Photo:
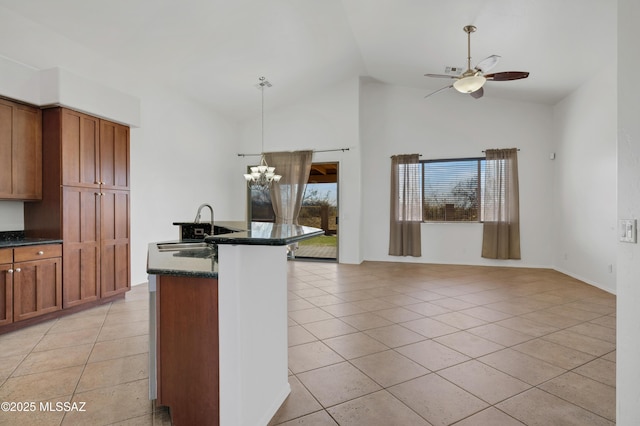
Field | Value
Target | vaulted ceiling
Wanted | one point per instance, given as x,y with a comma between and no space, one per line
215,50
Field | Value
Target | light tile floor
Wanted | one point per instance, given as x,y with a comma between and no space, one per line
413,344
371,344
95,361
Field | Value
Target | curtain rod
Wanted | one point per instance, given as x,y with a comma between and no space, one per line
501,148
397,154
315,150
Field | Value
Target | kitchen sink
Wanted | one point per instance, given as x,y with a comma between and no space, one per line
196,245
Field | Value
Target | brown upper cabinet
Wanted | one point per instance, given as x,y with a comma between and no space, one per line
114,155
96,152
20,151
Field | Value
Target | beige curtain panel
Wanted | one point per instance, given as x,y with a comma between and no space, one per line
501,211
406,206
286,195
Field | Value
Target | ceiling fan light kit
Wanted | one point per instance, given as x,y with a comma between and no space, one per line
469,84
473,79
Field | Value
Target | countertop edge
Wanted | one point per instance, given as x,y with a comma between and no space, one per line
30,242
243,240
178,273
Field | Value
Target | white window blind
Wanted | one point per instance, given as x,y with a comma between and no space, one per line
452,189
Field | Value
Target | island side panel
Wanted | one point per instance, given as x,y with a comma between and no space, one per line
188,364
253,333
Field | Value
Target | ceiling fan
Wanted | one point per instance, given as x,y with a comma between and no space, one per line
472,80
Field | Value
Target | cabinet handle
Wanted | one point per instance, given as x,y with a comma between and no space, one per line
9,271
40,253
18,269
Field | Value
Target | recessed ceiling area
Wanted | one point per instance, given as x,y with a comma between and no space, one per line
214,50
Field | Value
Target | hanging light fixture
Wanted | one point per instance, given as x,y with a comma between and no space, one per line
472,79
262,176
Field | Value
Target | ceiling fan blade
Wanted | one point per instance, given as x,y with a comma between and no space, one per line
507,75
488,63
440,76
439,90
478,93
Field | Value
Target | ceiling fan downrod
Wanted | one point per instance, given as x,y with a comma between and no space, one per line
469,29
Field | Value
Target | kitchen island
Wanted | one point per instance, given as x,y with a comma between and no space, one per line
218,344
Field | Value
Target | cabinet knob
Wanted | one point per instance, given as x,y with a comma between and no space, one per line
18,269
9,271
40,253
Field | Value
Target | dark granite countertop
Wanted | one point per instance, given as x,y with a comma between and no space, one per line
193,262
267,234
202,261
9,239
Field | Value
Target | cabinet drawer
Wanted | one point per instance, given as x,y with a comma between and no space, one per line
44,251
6,255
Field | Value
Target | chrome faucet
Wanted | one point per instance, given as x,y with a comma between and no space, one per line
197,219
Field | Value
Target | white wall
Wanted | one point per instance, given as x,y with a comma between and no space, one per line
182,156
398,120
11,215
584,195
326,120
628,277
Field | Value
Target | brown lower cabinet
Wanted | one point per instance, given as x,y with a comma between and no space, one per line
81,243
114,242
32,284
95,234
188,349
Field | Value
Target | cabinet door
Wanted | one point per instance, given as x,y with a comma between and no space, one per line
20,151
6,294
37,288
27,153
114,155
114,249
6,161
81,245
80,149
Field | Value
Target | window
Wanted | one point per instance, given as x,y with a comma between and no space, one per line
452,189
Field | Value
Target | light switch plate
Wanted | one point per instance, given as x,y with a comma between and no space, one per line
627,230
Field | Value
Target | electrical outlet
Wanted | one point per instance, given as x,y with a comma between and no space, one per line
627,230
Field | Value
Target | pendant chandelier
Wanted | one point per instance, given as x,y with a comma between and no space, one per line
262,176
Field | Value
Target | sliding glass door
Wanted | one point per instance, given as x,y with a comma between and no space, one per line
319,209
